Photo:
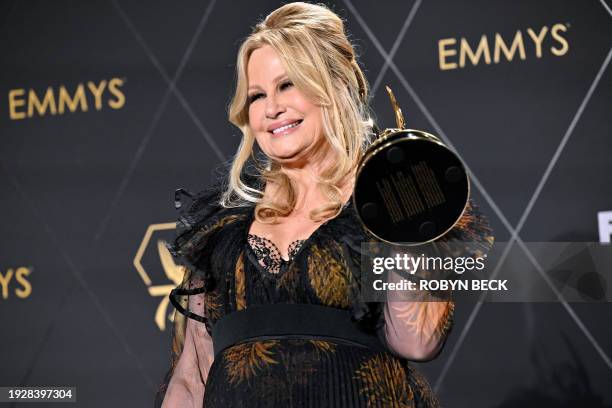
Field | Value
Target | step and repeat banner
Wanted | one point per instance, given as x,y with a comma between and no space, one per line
108,106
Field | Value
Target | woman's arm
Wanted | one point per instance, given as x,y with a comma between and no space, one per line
186,387
416,330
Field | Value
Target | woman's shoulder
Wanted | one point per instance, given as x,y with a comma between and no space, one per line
200,216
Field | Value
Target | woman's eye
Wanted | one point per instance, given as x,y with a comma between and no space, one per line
252,98
286,85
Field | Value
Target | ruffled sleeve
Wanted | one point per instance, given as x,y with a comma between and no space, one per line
471,236
196,224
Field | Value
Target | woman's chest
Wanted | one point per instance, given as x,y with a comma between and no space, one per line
282,237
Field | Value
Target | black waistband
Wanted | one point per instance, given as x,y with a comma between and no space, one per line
286,320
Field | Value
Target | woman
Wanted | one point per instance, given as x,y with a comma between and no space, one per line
283,234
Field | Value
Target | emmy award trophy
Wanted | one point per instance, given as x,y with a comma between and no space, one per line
410,189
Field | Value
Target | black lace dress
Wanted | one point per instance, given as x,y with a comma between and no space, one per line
237,271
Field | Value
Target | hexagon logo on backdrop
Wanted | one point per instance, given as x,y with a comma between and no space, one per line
157,268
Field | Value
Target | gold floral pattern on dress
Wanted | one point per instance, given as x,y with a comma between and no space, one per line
301,359
323,346
289,279
471,235
245,360
329,276
384,382
240,283
446,320
212,305
431,320
423,388
205,231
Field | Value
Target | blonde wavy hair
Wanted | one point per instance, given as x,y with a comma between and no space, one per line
321,62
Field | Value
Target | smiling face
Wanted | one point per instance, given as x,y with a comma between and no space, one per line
287,126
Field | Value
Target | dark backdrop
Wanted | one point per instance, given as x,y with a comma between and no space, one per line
136,96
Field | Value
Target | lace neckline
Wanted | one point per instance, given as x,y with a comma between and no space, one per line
269,255
274,262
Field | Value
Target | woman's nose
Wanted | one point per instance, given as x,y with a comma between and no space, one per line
274,106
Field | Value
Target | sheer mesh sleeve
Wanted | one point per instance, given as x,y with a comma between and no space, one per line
192,349
196,300
418,330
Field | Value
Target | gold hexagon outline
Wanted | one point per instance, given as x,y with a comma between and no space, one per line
143,245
